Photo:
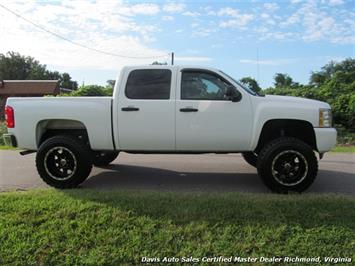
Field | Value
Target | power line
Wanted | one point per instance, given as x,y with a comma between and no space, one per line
76,43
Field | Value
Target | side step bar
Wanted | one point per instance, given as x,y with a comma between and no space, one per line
23,153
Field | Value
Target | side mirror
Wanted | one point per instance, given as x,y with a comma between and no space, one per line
233,94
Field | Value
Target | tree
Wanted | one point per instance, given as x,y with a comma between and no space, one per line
159,63
66,82
111,83
317,79
328,71
282,80
334,84
251,83
15,66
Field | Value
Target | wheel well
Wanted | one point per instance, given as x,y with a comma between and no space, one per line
276,128
49,128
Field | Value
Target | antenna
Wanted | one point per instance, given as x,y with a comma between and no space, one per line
172,58
257,65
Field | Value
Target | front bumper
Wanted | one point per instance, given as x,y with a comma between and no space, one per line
10,140
326,138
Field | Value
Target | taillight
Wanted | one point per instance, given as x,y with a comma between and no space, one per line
9,117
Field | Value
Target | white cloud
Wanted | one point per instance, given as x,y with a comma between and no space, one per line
167,18
273,62
318,24
336,2
211,13
293,19
287,61
109,26
267,19
209,10
145,9
203,32
191,14
192,59
235,18
122,28
271,7
315,21
216,45
228,11
174,7
241,21
260,62
264,15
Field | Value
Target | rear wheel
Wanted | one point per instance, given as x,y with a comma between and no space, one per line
63,162
287,164
250,157
104,158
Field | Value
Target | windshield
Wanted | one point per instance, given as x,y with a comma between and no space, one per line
250,91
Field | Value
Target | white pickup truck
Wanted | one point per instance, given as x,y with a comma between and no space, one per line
173,109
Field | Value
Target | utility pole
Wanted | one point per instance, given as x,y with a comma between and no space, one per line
172,58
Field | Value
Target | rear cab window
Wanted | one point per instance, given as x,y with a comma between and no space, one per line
153,84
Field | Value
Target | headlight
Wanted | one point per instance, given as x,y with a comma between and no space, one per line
325,118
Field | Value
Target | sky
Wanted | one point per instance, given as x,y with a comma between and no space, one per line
242,38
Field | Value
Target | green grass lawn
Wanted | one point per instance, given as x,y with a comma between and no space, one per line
2,147
346,149
87,227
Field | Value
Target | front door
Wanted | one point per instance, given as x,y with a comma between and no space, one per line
206,120
146,111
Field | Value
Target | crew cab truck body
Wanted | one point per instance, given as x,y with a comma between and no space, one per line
173,109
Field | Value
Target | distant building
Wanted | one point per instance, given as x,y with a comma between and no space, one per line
26,88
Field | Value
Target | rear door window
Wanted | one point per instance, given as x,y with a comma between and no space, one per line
151,84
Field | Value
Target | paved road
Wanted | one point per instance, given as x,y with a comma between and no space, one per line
210,172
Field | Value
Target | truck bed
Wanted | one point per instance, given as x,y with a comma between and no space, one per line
31,114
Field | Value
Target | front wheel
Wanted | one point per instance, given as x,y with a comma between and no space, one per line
250,157
63,162
287,164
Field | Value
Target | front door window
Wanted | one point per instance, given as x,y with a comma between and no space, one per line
203,86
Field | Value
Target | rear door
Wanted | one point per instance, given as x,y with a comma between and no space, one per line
146,111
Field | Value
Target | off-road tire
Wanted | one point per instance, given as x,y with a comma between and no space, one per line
250,157
76,153
285,146
103,158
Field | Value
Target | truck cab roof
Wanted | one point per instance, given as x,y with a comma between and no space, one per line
169,67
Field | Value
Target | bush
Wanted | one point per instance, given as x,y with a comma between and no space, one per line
92,90
336,87
3,130
345,137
